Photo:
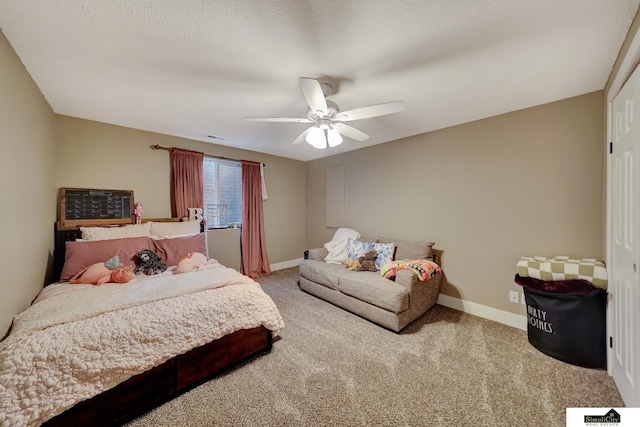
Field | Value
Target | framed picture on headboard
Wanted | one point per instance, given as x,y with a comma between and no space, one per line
84,207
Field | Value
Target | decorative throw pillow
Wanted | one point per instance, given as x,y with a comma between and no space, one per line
385,253
173,250
406,249
79,255
165,230
123,232
356,248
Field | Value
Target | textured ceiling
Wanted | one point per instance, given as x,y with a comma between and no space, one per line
196,68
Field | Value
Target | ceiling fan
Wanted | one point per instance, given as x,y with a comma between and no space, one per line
327,119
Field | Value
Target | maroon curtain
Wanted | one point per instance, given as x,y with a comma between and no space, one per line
187,181
253,244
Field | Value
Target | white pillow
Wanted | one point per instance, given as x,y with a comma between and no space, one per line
166,230
108,233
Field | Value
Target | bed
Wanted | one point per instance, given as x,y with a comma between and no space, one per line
102,355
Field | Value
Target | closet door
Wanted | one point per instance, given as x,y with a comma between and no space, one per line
625,260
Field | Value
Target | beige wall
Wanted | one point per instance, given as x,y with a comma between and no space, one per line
98,155
487,192
27,183
224,245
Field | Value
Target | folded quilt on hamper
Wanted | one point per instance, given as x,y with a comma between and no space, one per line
424,269
564,268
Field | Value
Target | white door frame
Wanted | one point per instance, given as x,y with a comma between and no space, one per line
626,68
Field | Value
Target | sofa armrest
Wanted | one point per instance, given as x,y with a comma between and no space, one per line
407,278
318,254
419,291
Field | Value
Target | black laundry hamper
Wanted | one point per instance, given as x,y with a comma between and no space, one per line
570,328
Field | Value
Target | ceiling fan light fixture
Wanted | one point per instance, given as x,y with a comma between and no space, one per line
334,138
326,119
316,138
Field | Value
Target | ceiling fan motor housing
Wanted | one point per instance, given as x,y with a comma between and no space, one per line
332,111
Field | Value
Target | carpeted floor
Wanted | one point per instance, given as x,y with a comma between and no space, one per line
332,368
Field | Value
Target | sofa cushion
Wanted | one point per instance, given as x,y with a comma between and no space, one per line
321,272
373,288
407,249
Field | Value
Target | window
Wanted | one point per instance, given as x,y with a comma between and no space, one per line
222,192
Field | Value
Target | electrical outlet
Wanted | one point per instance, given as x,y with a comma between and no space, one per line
514,296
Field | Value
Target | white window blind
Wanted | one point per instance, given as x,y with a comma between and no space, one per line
222,192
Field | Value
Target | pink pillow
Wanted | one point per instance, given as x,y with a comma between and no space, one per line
79,255
173,250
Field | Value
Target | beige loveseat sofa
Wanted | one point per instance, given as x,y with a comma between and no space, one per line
391,304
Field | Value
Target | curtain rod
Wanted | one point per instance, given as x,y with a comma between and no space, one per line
158,147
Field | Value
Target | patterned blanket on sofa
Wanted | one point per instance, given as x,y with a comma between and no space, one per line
423,268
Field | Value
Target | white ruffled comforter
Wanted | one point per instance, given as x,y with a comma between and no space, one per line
74,345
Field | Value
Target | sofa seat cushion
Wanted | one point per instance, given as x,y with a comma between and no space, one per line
323,273
371,287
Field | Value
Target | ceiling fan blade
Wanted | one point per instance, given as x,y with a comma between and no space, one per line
278,119
313,94
350,132
302,137
370,111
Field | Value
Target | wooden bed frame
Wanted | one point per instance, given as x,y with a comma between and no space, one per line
150,389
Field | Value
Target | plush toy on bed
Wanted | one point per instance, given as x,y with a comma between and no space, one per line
194,261
104,272
368,261
123,274
149,263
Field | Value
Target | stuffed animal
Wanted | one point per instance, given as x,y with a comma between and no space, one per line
104,272
194,261
352,265
149,263
95,274
123,274
368,261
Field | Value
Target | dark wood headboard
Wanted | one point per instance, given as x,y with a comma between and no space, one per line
62,236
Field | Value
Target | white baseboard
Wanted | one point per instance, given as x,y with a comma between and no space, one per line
285,264
510,319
